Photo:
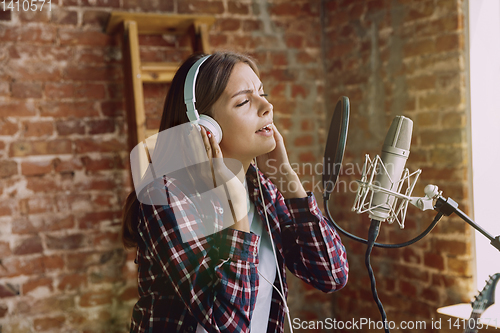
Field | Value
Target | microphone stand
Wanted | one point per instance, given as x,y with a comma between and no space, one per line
449,206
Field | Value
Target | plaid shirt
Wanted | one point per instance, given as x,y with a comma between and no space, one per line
213,280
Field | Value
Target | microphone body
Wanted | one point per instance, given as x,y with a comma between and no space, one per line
395,152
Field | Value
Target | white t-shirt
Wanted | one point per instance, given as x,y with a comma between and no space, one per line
266,267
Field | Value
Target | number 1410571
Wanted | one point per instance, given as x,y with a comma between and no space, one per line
25,5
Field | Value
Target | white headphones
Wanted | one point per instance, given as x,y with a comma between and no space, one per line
189,98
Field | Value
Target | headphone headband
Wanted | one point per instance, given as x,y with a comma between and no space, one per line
189,86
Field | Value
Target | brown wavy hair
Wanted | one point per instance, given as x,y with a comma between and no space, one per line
211,82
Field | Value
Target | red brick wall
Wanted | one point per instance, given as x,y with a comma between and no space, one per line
63,155
63,167
404,58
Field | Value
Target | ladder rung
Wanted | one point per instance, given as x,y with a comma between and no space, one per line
158,71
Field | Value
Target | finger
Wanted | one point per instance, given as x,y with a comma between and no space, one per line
216,151
277,134
206,142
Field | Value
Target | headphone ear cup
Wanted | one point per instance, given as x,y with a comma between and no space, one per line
210,124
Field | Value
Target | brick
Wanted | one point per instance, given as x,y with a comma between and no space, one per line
433,260
8,127
94,219
40,16
54,223
69,127
101,126
229,24
5,15
238,8
77,37
128,294
200,6
72,282
448,99
251,25
304,140
407,289
49,323
460,266
424,82
55,90
5,249
449,43
15,266
26,148
285,9
451,247
68,109
95,17
68,242
95,298
33,284
8,168
420,10
53,262
39,184
69,165
41,70
17,109
419,48
45,53
93,73
62,15
29,34
38,129
26,90
95,145
104,200
90,91
307,157
108,239
56,303
441,137
29,245
101,3
447,156
103,163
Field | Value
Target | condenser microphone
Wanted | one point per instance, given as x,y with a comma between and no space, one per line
395,152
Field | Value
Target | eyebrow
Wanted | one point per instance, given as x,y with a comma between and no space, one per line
247,91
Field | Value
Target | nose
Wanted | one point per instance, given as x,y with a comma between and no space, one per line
265,108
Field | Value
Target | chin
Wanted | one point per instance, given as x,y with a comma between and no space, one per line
268,147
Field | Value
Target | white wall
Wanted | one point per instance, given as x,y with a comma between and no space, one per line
484,43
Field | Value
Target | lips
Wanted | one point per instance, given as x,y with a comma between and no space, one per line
266,128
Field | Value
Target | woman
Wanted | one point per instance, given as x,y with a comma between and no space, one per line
222,282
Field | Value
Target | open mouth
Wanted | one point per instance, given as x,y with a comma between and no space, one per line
265,129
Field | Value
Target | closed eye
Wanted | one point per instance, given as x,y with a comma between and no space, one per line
242,103
246,101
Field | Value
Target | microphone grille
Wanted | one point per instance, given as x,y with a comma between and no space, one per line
399,134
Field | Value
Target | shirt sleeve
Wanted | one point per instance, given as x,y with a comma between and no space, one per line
214,275
312,248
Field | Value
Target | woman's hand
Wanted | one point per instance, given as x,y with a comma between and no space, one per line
222,175
275,165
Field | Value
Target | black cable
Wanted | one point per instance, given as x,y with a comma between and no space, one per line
382,245
372,236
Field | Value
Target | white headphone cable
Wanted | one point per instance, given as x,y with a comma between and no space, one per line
287,311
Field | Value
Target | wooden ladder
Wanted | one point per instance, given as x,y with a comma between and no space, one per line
130,25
